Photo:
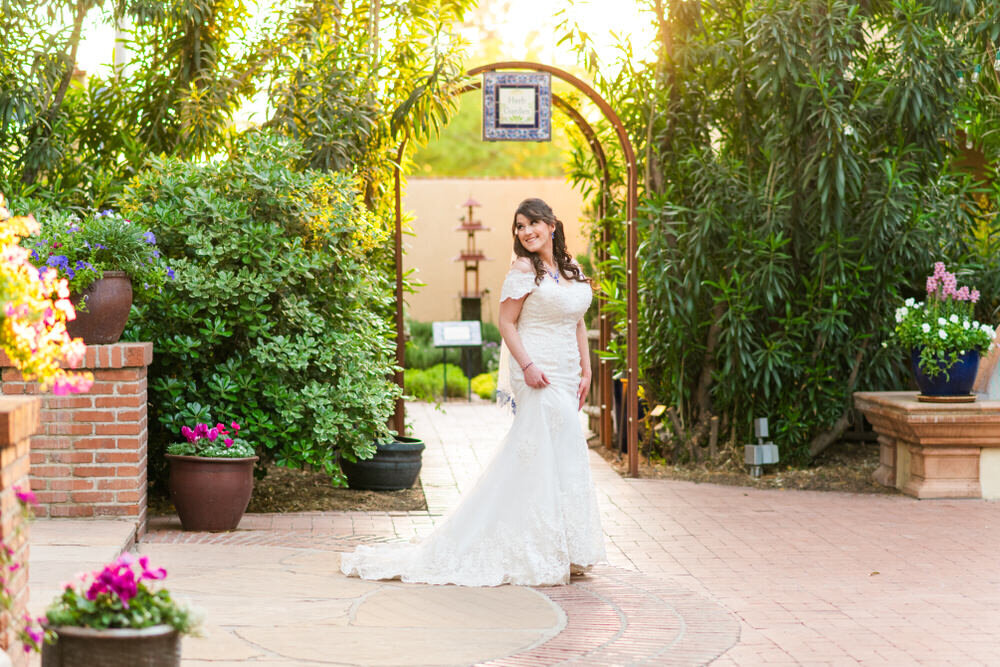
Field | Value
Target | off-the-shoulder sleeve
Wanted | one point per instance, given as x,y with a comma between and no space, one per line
517,284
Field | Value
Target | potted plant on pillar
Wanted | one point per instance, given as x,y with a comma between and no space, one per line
105,258
211,476
115,618
943,338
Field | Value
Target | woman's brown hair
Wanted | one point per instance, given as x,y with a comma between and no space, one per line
536,209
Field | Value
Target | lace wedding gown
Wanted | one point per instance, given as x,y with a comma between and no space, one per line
533,512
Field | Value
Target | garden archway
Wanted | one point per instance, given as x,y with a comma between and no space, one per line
632,370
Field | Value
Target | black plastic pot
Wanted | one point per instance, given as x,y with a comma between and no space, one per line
395,466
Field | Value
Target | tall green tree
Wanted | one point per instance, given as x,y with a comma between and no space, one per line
798,162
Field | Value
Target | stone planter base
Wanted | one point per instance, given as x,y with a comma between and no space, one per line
934,450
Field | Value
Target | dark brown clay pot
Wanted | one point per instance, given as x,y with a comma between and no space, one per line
210,494
108,302
157,646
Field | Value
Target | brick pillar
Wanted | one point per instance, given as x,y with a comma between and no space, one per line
90,458
19,419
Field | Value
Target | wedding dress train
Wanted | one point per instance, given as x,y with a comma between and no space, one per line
533,511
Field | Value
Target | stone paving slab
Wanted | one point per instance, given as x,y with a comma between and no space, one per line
696,573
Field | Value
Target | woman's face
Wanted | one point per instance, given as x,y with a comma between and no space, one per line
534,235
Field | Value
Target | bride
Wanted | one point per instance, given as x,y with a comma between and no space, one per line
532,517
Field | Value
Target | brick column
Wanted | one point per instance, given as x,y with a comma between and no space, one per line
19,419
90,458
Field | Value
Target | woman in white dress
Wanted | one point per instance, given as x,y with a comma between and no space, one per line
532,516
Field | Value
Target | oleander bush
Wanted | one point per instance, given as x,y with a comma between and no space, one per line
280,311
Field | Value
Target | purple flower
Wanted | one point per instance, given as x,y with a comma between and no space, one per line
188,433
149,238
156,254
213,434
73,228
58,261
170,273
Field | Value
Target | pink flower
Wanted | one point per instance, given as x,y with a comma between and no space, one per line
229,442
974,296
188,434
932,284
213,434
201,430
236,427
939,270
25,496
158,573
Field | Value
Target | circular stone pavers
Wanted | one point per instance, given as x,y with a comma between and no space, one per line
610,616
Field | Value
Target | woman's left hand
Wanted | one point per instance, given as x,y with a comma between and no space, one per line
583,389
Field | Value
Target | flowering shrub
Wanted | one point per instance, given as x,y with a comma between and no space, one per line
117,596
82,250
942,328
214,441
36,307
30,635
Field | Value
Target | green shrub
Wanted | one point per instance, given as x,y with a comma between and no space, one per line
484,385
279,316
426,384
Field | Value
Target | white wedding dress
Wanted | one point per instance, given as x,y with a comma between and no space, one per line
533,512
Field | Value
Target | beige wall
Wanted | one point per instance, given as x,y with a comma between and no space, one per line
435,207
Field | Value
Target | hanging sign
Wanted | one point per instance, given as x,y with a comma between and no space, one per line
517,106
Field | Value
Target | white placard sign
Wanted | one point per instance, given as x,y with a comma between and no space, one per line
517,106
468,333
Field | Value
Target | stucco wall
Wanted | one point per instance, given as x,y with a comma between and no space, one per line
435,207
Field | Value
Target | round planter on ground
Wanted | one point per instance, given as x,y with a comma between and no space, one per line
107,302
210,494
156,646
394,467
956,383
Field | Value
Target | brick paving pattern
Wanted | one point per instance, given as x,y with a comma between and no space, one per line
789,577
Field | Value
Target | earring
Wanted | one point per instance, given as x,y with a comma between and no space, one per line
553,235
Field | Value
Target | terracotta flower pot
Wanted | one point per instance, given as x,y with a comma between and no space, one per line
156,646
210,494
108,302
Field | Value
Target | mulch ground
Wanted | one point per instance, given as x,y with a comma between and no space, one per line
844,466
287,490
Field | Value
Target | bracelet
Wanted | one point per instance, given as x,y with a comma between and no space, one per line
525,367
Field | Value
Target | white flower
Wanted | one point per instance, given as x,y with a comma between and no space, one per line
975,323
942,334
900,314
926,327
910,302
954,318
942,321
966,325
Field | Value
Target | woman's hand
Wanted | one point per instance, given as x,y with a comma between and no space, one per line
534,377
583,389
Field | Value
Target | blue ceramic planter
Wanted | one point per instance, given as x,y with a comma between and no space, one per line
957,381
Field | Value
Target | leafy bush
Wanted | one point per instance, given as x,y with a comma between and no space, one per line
786,214
280,310
485,385
426,384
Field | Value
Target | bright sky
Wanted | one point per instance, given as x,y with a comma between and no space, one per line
513,20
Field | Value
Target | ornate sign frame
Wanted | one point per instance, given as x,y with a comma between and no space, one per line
517,106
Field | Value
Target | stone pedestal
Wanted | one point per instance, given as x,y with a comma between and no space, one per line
935,450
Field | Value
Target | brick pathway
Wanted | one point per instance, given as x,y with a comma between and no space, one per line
814,578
